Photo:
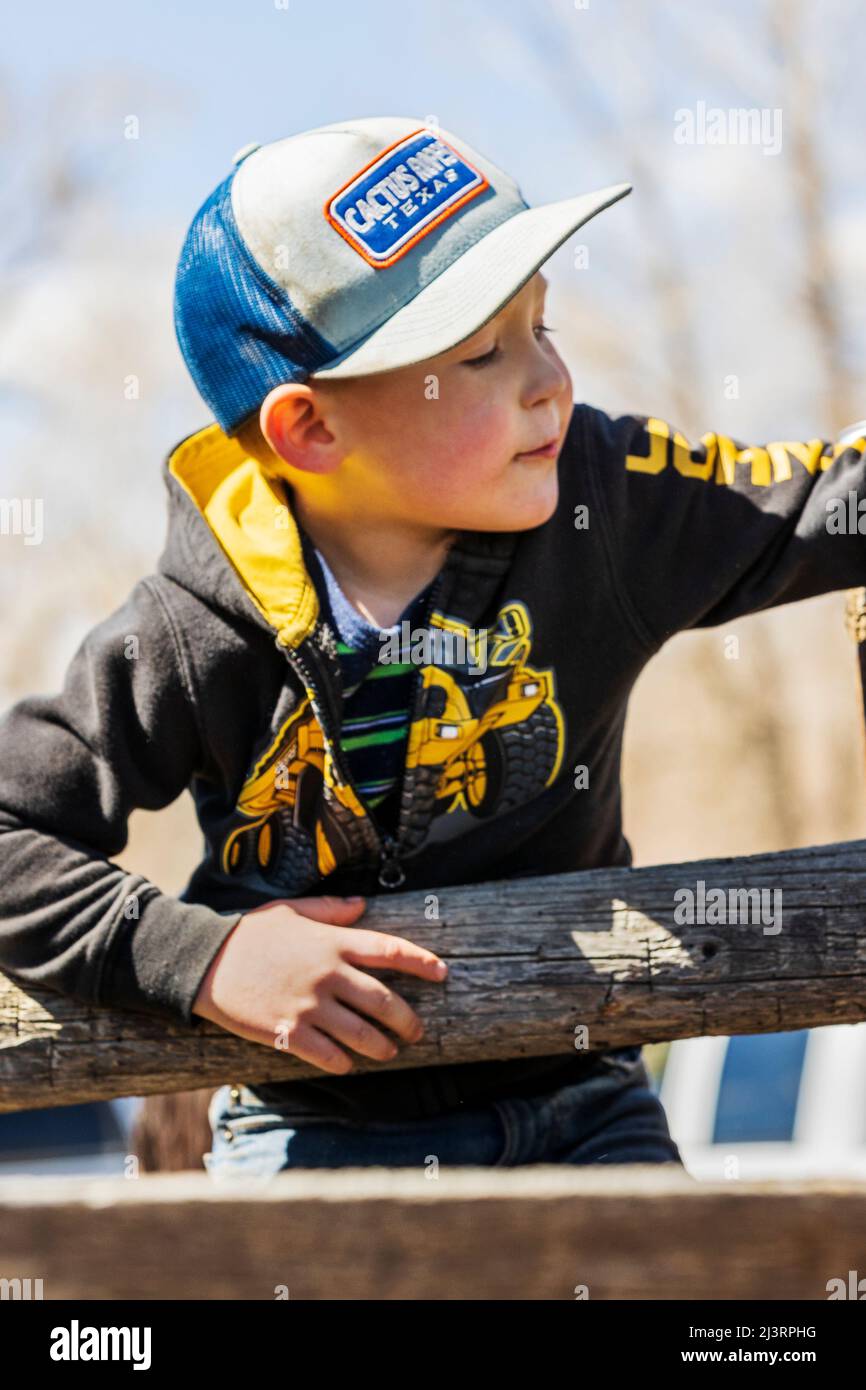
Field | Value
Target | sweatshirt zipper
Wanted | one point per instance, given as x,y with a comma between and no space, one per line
391,872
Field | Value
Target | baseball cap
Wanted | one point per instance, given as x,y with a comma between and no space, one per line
352,249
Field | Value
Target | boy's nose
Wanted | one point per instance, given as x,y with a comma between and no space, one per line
548,379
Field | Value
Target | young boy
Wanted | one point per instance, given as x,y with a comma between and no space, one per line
396,441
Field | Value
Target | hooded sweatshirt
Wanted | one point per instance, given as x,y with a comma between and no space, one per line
220,674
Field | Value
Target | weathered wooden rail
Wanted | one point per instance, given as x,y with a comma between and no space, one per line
541,1231
533,963
536,966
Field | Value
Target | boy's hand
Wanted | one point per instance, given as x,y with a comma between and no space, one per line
290,970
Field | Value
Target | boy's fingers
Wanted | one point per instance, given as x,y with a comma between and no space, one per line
311,1045
348,1027
336,911
376,948
374,999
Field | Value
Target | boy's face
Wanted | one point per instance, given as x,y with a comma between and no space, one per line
441,443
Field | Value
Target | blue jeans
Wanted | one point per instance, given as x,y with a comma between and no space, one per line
612,1116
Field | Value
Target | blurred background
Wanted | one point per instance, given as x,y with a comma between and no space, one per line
724,294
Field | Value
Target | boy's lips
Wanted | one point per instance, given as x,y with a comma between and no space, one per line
545,451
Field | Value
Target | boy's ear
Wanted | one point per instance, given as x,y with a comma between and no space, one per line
293,427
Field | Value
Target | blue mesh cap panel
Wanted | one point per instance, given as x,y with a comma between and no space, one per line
239,332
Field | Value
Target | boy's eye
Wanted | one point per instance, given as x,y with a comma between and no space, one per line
494,351
483,360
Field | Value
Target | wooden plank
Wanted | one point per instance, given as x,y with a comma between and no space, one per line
536,965
542,1231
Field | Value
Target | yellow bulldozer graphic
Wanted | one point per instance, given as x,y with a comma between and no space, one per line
295,808
485,744
495,741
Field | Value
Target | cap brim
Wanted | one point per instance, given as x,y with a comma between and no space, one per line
474,288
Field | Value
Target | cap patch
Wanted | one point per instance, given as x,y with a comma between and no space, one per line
401,196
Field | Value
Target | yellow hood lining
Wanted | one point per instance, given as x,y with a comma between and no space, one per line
253,522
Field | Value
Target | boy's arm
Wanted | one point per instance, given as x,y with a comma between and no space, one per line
702,533
121,734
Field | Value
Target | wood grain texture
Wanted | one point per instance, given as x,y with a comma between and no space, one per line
531,960
543,1231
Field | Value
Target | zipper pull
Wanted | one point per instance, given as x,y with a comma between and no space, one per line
391,873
